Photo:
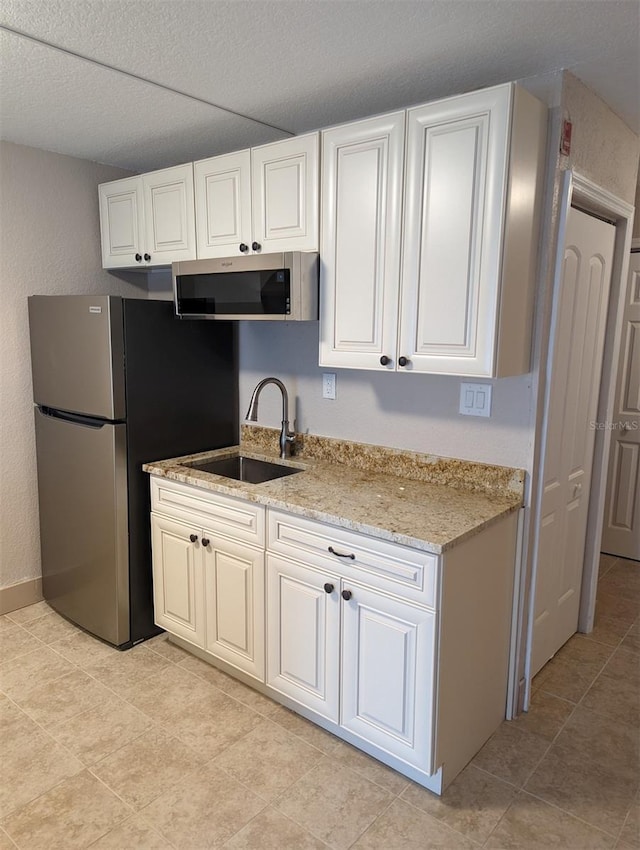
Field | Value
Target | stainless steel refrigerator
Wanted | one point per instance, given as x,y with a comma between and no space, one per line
117,382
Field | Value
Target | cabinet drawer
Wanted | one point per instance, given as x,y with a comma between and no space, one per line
406,572
223,514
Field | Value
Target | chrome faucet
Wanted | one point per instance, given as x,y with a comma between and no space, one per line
287,437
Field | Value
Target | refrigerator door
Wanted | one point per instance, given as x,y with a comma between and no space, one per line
77,353
82,488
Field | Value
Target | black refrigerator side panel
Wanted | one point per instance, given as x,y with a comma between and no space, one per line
182,397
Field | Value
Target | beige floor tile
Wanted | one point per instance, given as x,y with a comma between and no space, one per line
204,810
5,842
71,815
611,604
511,754
20,676
268,760
581,649
606,562
32,764
531,824
50,627
623,576
601,739
167,693
624,664
6,624
608,630
14,723
100,731
370,768
31,612
631,641
570,680
63,698
402,827
133,834
211,724
126,670
270,830
631,830
333,803
83,649
546,716
473,803
169,651
16,641
594,792
616,697
144,768
303,728
230,686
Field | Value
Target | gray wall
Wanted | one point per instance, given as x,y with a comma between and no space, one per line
49,244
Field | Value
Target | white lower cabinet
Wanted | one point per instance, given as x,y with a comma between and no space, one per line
178,588
401,652
234,604
387,677
303,641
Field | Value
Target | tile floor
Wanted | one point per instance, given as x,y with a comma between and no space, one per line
153,749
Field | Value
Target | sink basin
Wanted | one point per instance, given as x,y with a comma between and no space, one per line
242,468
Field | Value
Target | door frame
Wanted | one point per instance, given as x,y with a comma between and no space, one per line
583,193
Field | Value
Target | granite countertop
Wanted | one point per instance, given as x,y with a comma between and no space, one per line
356,490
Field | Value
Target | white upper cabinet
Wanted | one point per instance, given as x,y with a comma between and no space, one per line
122,223
148,220
262,200
361,240
285,195
472,189
169,215
223,204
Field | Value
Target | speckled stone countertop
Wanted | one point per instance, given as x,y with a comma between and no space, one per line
428,502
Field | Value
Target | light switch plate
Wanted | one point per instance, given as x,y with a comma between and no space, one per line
328,385
475,399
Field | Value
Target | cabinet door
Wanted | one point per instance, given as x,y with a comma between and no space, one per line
361,237
223,204
178,592
234,593
303,635
285,188
169,215
388,674
455,186
121,222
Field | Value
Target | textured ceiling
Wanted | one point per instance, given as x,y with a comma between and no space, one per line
207,76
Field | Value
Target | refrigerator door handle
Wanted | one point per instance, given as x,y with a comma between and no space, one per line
75,418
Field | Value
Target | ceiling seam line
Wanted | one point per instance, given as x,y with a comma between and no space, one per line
141,79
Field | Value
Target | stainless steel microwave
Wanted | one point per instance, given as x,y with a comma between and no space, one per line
268,287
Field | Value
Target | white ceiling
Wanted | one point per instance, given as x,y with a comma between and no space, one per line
203,77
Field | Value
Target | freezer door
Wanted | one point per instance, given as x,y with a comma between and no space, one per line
77,353
82,490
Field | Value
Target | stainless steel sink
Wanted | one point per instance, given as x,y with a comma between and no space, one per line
242,468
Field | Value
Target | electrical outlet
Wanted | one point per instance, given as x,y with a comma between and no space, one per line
328,385
475,399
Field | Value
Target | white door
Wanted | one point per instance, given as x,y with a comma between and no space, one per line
455,184
234,593
285,178
223,205
621,530
178,592
361,240
122,223
578,328
303,635
388,674
170,223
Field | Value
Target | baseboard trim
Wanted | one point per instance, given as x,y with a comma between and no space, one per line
20,595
